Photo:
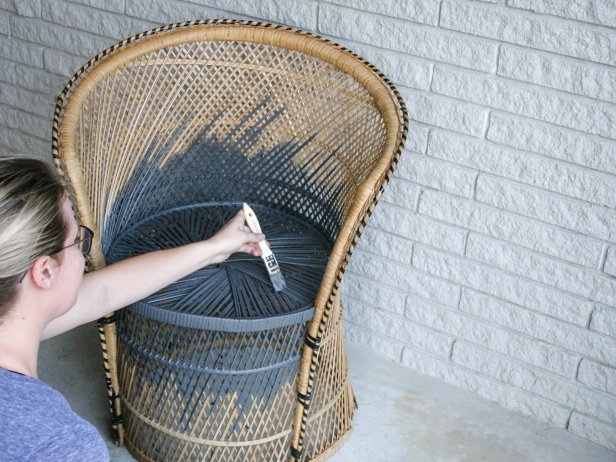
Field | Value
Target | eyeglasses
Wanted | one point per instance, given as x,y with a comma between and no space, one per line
83,240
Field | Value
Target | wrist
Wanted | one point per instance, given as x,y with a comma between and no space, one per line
206,251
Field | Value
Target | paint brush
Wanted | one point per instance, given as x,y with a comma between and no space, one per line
273,269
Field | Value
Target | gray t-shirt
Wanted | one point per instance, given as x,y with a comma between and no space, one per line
38,424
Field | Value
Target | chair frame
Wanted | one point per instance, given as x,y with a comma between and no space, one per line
389,103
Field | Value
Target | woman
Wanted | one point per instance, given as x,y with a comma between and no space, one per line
43,293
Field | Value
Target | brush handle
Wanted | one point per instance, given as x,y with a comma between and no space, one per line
251,219
255,227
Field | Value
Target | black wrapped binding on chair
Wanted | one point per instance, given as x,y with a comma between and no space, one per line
161,138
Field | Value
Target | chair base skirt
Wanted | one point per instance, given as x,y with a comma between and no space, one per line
334,448
329,423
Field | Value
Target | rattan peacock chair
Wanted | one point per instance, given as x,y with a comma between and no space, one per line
160,138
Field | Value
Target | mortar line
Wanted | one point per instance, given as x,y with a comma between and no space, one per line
603,257
577,368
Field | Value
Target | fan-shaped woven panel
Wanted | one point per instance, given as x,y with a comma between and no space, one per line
240,288
272,126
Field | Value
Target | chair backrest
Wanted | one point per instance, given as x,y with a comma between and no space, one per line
225,111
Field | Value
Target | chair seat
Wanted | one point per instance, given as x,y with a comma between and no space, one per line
240,288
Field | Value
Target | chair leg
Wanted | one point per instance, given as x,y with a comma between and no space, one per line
108,338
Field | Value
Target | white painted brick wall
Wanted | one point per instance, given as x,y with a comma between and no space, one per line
552,141
491,261
567,213
560,73
544,32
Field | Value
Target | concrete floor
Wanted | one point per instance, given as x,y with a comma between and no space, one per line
402,416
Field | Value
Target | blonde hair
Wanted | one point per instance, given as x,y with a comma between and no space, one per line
31,221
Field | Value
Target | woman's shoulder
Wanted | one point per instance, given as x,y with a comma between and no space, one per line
22,391
38,423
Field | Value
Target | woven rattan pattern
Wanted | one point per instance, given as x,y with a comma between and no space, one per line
195,394
351,138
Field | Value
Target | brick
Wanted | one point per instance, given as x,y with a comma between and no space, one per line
373,293
62,63
107,5
597,376
440,175
421,11
386,244
592,11
531,379
8,5
404,278
398,328
457,116
62,38
588,283
564,37
20,143
593,430
92,20
8,150
400,68
410,225
21,52
604,320
487,279
26,100
570,214
505,395
504,341
378,343
610,261
547,105
5,28
555,71
417,140
539,326
299,13
510,227
163,11
30,8
533,169
26,122
560,143
415,39
30,78
402,192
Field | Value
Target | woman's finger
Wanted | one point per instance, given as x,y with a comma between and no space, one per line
254,237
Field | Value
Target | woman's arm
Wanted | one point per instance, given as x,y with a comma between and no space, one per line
127,281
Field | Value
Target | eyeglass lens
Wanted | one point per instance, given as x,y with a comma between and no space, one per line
85,240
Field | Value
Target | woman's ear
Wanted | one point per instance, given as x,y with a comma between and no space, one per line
43,272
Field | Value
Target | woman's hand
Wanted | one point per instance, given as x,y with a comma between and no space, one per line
234,237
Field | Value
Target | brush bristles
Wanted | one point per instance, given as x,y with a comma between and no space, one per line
278,281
